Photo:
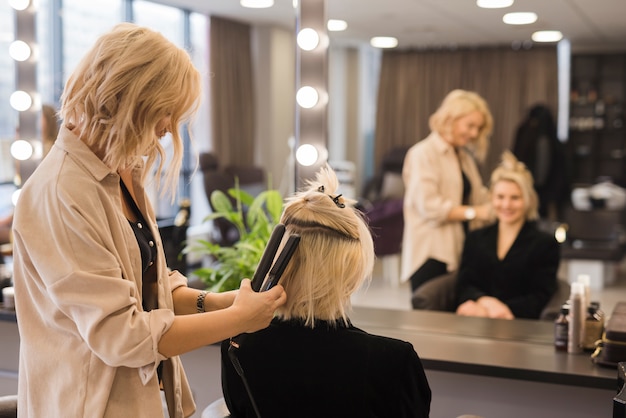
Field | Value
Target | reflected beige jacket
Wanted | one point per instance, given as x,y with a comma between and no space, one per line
87,348
433,186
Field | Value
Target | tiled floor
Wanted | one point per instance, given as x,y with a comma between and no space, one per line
380,293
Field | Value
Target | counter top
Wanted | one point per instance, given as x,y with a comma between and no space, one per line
7,315
519,349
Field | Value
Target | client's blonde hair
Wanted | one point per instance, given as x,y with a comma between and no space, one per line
130,80
511,169
334,257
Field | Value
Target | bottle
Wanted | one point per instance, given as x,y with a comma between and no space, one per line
183,215
585,279
576,318
561,329
592,331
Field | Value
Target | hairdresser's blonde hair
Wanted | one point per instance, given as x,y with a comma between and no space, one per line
334,257
130,80
457,104
513,170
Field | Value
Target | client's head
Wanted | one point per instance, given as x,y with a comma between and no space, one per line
512,192
334,257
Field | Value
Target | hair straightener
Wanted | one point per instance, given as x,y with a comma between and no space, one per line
265,277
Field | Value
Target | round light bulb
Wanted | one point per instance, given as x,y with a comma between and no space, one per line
21,150
19,50
308,39
19,4
15,196
306,155
307,97
20,100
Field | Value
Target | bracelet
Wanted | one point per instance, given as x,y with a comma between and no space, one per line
200,301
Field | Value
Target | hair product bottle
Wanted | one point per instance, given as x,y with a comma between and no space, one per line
561,329
576,318
593,328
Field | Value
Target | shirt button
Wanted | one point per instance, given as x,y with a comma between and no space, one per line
151,243
139,225
151,263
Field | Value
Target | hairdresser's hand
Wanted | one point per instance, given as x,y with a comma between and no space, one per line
256,310
484,212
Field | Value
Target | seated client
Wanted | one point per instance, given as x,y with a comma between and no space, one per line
508,270
312,361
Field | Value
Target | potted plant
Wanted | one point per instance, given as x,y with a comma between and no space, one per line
254,218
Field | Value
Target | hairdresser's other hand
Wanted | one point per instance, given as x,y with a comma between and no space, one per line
256,310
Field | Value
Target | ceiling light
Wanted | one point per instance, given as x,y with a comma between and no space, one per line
519,18
257,4
306,155
384,42
308,39
307,97
547,36
19,51
336,25
494,4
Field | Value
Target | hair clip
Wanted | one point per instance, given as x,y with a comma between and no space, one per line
321,189
337,202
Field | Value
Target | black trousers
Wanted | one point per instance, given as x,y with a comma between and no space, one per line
429,270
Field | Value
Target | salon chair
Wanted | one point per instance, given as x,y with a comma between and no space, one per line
619,401
217,409
8,406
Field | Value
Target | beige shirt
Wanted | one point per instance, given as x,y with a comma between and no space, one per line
433,186
87,348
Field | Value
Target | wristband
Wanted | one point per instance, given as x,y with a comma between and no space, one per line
200,301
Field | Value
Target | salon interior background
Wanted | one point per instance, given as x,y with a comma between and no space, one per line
66,28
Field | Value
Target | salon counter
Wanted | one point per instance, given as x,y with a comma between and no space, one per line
485,367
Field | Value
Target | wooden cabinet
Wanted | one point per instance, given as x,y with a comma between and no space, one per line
597,135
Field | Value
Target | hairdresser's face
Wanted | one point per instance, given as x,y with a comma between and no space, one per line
508,202
466,129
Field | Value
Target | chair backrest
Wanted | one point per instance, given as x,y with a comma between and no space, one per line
8,406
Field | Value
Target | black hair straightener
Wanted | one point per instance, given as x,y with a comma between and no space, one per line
265,277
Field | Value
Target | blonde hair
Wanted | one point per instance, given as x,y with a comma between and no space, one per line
129,81
335,255
513,170
457,104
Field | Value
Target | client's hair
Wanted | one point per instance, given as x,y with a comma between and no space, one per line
511,169
334,257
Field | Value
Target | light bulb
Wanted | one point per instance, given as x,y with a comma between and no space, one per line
21,150
308,39
494,4
306,155
519,18
19,50
21,101
547,36
19,4
15,196
307,97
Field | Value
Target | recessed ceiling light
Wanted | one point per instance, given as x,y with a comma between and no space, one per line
384,42
257,4
519,18
336,25
547,36
494,4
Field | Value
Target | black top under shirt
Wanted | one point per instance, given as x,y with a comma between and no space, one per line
145,240
467,190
